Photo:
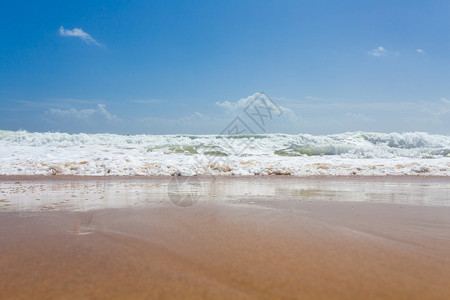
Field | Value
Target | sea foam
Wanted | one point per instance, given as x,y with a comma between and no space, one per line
351,153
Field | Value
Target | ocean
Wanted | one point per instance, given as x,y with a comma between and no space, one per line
350,153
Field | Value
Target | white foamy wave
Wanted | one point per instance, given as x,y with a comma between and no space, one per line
357,153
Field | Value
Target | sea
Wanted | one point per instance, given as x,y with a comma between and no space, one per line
345,154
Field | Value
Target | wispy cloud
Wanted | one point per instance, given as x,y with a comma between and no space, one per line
379,51
79,33
420,51
102,109
438,109
79,114
83,113
359,117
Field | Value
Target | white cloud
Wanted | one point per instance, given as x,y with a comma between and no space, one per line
379,51
83,114
79,114
420,51
244,102
445,100
79,33
101,108
276,111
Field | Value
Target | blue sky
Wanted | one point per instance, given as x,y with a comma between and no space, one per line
165,67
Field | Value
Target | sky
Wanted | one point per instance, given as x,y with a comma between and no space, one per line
187,67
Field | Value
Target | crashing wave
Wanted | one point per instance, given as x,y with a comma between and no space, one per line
364,153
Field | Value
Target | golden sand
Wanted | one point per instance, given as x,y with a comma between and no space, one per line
237,249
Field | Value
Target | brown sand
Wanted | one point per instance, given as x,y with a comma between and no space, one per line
290,249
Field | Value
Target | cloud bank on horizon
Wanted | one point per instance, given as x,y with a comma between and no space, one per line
312,115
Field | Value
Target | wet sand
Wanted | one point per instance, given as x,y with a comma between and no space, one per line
296,238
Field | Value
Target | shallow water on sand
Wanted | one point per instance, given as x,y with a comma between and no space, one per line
78,194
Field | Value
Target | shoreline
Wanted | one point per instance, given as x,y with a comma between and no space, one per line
89,177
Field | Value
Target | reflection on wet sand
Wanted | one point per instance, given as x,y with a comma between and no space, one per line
71,193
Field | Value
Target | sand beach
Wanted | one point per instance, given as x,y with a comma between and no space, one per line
273,237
